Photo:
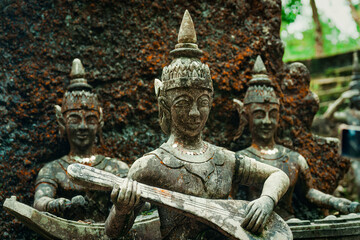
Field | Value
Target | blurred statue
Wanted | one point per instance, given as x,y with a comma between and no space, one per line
185,163
327,124
80,120
351,115
260,109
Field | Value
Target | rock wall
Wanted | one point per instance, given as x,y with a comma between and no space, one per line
123,46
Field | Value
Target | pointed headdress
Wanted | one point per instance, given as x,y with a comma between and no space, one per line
186,69
78,95
260,87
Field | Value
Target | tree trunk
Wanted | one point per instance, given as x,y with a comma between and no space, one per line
354,13
318,30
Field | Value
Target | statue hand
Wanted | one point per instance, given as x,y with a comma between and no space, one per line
78,201
58,205
350,93
257,214
354,207
125,197
341,204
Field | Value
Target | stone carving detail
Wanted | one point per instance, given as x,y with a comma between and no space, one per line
185,163
261,111
80,121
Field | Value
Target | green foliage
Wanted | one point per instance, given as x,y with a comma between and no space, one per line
297,48
301,45
290,9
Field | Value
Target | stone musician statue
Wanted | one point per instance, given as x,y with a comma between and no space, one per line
187,164
80,121
260,110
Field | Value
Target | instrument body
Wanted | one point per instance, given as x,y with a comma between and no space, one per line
225,216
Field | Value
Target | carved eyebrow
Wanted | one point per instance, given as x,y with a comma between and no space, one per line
183,96
204,95
74,114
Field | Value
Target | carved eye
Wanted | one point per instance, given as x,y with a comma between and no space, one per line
204,102
92,120
182,103
273,113
258,114
74,120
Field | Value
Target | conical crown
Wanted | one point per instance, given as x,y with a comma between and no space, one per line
186,70
79,95
260,87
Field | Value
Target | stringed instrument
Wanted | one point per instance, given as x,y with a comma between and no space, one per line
225,216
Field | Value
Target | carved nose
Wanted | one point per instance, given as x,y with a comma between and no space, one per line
194,112
267,119
83,124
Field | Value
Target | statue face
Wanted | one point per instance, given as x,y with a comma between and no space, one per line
81,128
189,110
263,120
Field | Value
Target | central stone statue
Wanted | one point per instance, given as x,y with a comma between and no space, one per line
187,164
260,109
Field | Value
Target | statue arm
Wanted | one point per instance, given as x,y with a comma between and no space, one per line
127,204
332,108
45,189
45,193
275,182
329,114
321,199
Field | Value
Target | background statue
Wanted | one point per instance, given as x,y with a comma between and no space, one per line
186,163
351,115
260,110
80,119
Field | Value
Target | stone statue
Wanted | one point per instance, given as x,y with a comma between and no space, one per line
185,163
260,109
80,120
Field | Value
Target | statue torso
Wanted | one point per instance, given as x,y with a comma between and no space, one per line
210,177
284,159
54,174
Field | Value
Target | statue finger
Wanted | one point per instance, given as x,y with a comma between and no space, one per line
121,196
248,208
133,194
115,193
252,224
128,192
259,223
248,217
138,194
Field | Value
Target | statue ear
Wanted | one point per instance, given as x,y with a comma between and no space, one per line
60,119
101,117
242,118
158,85
164,115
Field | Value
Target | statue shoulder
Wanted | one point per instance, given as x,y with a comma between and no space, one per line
296,157
116,166
223,154
53,166
50,170
145,167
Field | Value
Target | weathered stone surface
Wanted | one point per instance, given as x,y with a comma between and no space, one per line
122,47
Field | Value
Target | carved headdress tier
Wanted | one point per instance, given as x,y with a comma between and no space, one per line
79,95
260,87
186,70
